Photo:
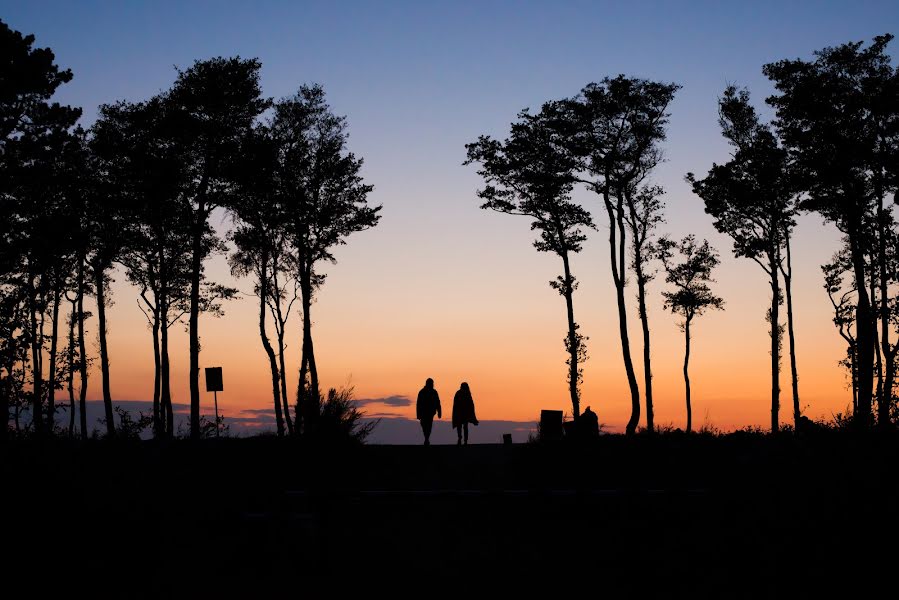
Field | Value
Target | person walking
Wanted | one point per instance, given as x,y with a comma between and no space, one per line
426,406
463,412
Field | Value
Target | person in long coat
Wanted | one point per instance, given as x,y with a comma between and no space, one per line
463,412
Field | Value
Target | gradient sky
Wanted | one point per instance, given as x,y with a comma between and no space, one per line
441,288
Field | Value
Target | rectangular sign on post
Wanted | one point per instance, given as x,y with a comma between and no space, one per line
214,379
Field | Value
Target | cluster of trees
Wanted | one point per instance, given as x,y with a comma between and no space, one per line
832,149
136,191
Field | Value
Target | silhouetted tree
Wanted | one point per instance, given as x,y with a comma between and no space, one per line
528,175
33,132
260,235
644,215
324,201
617,127
147,178
752,198
838,118
285,291
213,106
130,140
71,361
690,277
842,298
106,229
12,345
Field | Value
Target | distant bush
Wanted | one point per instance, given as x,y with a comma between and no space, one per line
129,428
340,418
207,428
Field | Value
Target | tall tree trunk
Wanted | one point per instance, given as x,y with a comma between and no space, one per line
775,343
302,406
199,226
788,287
158,430
647,360
71,369
269,351
21,386
165,370
4,407
864,331
54,340
283,375
878,360
886,395
36,351
82,351
100,284
8,394
280,324
308,359
687,374
617,248
573,342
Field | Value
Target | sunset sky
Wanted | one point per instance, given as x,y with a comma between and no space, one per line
441,288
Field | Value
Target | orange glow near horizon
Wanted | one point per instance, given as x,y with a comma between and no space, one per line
500,328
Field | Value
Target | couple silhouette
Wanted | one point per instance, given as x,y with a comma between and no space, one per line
428,405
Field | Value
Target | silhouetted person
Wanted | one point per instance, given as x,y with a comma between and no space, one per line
588,425
427,405
463,412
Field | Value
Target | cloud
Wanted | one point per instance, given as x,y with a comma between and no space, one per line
139,405
260,411
395,400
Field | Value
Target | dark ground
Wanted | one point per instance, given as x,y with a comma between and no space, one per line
742,515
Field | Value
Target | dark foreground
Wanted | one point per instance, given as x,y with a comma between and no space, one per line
737,516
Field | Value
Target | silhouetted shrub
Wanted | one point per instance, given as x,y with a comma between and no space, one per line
207,428
128,428
340,418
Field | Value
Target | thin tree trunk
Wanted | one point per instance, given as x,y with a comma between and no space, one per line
573,343
7,399
193,325
283,375
788,287
82,362
269,351
647,361
100,283
54,339
878,362
885,397
158,429
687,375
308,360
775,344
864,334
617,248
20,387
37,375
9,393
71,370
302,407
280,324
165,372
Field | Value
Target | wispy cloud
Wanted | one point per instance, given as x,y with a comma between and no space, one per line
259,411
396,400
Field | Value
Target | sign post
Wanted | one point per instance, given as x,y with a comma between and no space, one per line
214,385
